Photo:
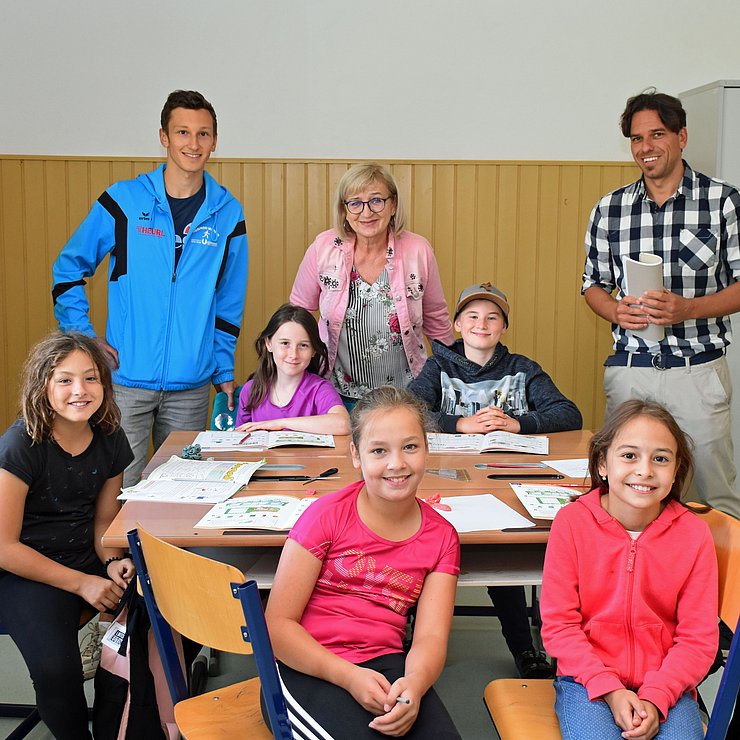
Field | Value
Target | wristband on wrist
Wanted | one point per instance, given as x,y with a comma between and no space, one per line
114,558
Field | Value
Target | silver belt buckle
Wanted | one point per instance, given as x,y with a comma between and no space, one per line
657,362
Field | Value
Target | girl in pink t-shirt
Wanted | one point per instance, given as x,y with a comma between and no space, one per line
287,390
353,566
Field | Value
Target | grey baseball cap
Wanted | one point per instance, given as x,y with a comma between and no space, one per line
485,292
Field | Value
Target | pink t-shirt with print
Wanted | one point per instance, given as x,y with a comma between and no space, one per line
367,584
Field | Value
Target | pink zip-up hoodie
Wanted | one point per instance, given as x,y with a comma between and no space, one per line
637,614
323,280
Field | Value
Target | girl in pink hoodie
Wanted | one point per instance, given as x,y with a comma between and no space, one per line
629,589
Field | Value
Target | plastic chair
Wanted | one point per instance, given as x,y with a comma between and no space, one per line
520,708
222,419
28,713
210,602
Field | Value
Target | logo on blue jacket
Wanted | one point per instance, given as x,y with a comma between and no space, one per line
205,235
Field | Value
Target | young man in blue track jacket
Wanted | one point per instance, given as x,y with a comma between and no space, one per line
176,282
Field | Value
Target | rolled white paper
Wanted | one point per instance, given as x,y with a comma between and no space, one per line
645,273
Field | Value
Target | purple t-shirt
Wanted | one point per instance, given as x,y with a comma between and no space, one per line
313,397
367,584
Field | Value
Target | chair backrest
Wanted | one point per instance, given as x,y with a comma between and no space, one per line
210,603
190,594
726,534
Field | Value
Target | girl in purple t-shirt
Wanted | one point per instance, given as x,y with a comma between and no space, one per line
287,391
354,564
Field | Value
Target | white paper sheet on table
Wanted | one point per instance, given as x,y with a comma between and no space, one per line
576,468
482,512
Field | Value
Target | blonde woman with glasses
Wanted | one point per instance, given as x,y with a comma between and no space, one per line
376,286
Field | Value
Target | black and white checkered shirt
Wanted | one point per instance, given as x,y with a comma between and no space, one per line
695,232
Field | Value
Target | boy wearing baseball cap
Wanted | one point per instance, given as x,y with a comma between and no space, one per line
477,386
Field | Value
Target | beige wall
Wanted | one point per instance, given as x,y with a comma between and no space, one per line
518,224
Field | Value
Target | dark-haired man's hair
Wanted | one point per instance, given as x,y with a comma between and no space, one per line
669,110
190,99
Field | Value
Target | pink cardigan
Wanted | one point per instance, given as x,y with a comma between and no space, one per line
637,614
323,278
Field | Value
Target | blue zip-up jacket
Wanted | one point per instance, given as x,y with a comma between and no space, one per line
173,331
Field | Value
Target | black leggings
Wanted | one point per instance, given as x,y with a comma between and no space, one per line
511,608
43,622
336,712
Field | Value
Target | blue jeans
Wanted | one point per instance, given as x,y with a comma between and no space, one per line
145,412
583,719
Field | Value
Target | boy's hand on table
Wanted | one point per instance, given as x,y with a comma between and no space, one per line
489,419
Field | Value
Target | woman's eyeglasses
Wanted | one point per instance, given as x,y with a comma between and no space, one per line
357,206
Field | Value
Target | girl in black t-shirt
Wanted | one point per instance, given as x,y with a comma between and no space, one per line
61,468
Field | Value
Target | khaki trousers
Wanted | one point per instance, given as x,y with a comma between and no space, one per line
698,396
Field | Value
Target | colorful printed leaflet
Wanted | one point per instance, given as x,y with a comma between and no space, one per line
256,512
491,442
543,502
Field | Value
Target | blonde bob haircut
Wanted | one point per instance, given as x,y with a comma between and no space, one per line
357,178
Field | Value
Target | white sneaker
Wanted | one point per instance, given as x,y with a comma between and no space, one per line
90,647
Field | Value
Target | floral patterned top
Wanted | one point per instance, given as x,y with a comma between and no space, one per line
370,350
324,278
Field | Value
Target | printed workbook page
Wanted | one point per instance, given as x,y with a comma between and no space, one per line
181,491
491,442
260,440
542,501
256,512
205,470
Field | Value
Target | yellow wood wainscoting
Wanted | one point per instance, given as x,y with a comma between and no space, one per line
518,224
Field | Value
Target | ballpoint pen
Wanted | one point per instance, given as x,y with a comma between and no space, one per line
505,465
526,476
297,478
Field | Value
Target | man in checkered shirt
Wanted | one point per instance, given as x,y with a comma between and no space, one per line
690,221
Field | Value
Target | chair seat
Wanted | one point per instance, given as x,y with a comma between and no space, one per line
515,704
230,712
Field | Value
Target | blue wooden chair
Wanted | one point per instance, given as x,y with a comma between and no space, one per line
521,708
210,602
